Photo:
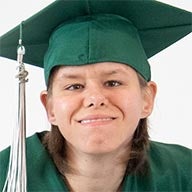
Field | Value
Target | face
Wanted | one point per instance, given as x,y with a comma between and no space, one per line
97,107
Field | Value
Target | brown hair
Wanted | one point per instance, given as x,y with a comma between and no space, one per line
136,159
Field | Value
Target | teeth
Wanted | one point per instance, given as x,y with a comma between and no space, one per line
95,120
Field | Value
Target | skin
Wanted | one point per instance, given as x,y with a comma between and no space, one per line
97,110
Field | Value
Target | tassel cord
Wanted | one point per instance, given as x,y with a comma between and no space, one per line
16,180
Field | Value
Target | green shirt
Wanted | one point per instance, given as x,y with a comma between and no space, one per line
170,169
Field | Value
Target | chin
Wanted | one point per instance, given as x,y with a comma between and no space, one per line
100,149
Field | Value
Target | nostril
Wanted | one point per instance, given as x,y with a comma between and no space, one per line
90,105
95,104
96,100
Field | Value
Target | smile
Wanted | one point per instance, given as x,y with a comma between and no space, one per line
96,119
86,121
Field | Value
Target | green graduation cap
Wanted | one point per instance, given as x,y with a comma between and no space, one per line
79,32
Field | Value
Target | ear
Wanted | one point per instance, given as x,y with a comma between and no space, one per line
149,93
47,103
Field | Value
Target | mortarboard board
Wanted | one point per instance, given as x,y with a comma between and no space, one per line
90,31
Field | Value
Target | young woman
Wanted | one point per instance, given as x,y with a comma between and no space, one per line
99,95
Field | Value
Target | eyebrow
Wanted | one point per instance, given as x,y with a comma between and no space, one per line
71,76
114,72
108,73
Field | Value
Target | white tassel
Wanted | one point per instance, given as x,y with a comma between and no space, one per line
16,180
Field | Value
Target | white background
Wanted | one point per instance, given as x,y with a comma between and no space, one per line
171,120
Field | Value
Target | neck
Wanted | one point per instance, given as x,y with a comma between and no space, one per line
101,173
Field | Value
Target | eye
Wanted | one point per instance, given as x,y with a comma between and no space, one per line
74,87
112,83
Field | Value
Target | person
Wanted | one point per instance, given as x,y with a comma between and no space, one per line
99,96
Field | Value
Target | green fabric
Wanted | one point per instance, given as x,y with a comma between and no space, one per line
170,170
159,25
94,39
41,172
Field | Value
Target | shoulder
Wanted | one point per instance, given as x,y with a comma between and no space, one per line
172,163
33,145
42,175
35,151
169,170
170,155
170,152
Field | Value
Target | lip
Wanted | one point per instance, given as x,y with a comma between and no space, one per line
96,119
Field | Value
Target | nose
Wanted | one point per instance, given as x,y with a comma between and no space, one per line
95,98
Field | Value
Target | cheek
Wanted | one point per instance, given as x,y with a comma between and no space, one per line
63,110
130,103
131,109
